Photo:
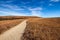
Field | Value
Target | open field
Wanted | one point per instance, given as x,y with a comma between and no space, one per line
7,24
16,17
14,33
42,29
36,28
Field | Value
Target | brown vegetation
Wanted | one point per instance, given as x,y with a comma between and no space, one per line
16,17
42,29
37,28
7,24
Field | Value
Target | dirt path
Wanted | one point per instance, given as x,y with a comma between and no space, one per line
14,33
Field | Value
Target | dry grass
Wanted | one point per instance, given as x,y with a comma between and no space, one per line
42,29
16,17
37,28
7,24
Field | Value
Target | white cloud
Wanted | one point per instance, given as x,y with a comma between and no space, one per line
13,7
51,4
6,2
25,3
36,11
55,0
12,13
9,1
16,10
33,11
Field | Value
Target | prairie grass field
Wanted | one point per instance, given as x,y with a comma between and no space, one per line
7,24
42,29
36,28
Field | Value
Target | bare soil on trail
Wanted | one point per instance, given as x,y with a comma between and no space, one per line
14,33
35,28
7,24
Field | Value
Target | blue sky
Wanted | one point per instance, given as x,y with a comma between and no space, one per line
41,8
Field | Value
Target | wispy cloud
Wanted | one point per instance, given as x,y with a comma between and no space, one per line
33,11
12,13
15,10
6,2
50,4
36,11
25,3
54,0
13,7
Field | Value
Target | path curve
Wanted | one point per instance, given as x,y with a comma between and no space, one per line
14,33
